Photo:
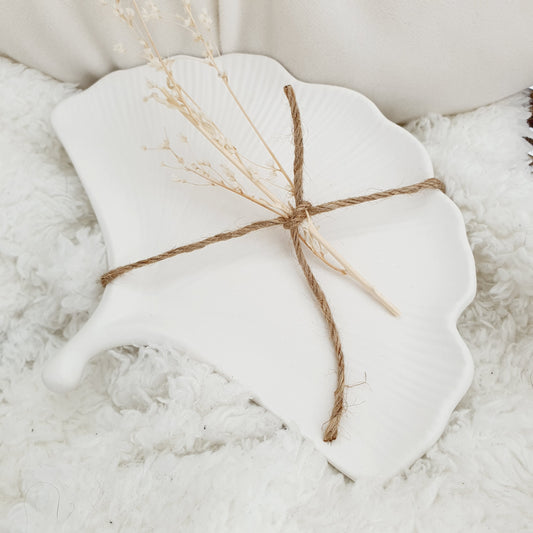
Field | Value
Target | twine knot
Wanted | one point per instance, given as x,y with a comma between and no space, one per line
297,215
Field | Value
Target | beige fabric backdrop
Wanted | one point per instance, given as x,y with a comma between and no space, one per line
409,56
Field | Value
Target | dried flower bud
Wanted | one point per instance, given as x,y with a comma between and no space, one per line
119,48
205,19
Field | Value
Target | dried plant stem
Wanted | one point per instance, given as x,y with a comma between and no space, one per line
260,137
212,181
178,98
349,271
320,255
277,206
280,207
225,80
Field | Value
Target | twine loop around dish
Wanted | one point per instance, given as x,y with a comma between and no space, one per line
291,222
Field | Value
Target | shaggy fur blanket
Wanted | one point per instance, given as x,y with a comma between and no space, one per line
152,440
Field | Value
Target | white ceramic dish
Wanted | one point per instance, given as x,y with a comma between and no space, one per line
243,306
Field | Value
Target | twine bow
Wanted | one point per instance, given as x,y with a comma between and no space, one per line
301,210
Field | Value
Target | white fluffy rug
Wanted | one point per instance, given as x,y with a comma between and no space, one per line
154,441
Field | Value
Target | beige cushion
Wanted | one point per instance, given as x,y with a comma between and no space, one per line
409,56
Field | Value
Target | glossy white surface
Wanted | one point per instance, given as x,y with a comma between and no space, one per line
244,306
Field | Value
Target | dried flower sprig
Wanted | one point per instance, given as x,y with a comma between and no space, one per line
349,271
189,23
255,187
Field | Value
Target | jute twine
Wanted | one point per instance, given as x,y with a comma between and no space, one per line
291,222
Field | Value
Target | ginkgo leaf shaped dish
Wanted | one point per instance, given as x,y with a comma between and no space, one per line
243,305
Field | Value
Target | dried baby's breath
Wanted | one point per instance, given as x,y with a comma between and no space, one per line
150,11
255,182
119,48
